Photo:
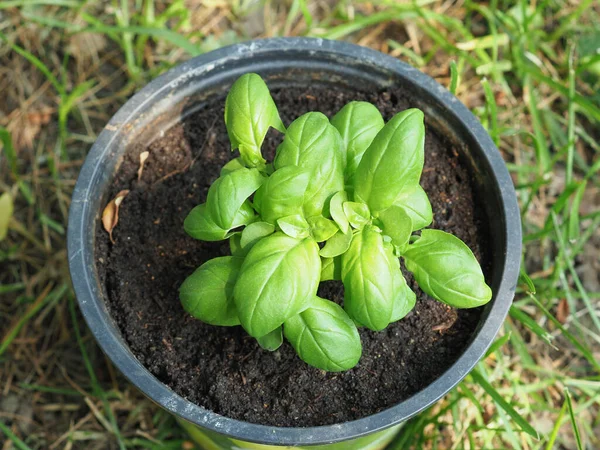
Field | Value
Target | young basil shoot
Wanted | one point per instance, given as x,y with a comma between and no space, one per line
341,201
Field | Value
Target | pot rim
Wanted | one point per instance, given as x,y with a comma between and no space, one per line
84,277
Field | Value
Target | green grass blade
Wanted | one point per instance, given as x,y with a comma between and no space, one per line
574,214
514,415
573,422
43,299
586,105
16,3
585,352
566,22
98,391
9,151
568,259
571,121
37,63
453,77
14,287
18,443
96,27
410,54
361,22
50,389
490,104
524,278
498,343
542,152
464,389
526,320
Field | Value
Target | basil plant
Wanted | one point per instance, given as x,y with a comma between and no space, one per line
341,201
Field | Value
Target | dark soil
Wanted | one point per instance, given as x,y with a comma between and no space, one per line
223,369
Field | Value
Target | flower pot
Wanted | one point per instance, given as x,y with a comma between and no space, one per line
284,62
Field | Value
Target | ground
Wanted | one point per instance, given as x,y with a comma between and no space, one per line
530,72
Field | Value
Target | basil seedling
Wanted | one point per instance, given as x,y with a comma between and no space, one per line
351,185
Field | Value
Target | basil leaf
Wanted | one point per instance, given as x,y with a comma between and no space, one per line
282,194
207,294
416,204
331,269
447,270
232,166
397,224
254,233
235,245
368,280
271,341
249,112
404,298
336,209
337,244
200,225
313,143
321,228
228,193
324,336
357,213
278,279
358,124
392,163
294,226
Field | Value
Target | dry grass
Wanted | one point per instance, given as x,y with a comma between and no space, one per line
77,62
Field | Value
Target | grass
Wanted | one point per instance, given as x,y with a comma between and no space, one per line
529,70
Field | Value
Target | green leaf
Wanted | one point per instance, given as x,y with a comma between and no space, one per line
404,298
6,212
417,206
357,213
447,270
324,336
200,225
232,166
282,194
368,280
253,233
278,279
207,294
321,228
227,195
271,341
358,124
336,209
249,112
397,224
294,226
392,163
337,244
331,269
311,142
235,245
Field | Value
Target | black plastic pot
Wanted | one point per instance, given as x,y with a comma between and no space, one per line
285,62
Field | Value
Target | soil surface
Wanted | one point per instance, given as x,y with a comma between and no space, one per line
225,370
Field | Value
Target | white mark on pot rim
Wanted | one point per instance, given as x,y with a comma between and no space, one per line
188,408
170,402
184,78
76,254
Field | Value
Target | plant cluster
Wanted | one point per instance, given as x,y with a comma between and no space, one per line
340,201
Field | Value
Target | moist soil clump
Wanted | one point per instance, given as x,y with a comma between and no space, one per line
222,368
